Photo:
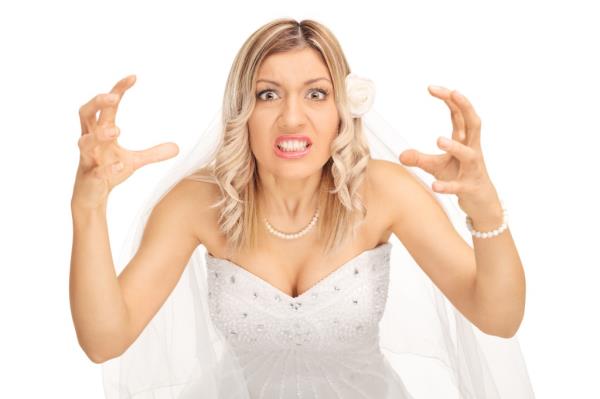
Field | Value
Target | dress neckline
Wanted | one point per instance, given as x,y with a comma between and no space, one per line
335,272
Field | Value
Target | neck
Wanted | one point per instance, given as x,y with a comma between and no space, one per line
288,200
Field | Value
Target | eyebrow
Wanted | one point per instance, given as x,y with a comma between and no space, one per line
305,83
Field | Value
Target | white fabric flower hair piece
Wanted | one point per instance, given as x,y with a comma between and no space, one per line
361,94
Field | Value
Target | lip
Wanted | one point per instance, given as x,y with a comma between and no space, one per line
285,137
292,155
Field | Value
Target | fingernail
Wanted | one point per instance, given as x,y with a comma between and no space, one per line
112,132
436,87
444,142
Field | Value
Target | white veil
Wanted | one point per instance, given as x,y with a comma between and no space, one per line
436,351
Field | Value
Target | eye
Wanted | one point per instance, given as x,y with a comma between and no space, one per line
321,91
260,94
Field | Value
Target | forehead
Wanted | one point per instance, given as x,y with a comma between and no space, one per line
294,66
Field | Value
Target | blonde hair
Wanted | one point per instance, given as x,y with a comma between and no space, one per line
233,168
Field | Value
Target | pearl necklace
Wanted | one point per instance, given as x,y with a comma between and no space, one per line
291,236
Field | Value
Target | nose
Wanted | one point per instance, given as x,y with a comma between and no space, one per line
292,114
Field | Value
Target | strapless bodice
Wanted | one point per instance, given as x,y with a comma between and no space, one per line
322,342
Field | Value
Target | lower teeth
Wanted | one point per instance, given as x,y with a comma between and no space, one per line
284,150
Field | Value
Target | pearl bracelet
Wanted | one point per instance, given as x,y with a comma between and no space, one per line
492,233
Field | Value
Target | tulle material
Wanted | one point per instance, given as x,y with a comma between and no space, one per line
435,351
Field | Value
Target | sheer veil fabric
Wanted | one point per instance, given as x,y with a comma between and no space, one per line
435,350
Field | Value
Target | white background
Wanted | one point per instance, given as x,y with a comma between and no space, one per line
529,68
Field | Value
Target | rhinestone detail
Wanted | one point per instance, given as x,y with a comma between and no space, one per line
254,314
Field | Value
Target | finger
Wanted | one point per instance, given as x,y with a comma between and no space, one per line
458,123
429,163
107,133
464,153
157,153
86,143
472,120
109,113
106,172
88,111
448,187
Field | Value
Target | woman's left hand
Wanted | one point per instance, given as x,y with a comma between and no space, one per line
461,169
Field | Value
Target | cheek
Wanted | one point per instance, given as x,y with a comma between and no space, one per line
257,144
327,144
253,134
260,145
330,121
329,129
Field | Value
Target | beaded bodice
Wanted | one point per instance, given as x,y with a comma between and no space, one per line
329,332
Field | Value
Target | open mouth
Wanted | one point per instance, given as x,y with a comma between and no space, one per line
293,142
291,146
296,147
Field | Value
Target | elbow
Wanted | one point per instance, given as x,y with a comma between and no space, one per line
503,324
100,357
102,350
92,353
503,330
96,358
506,333
511,331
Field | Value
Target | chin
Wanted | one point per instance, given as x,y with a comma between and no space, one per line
301,170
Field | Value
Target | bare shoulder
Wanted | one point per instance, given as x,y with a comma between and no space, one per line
401,193
419,221
378,166
169,239
381,170
197,196
389,182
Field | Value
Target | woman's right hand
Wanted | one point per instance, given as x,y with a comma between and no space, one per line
103,163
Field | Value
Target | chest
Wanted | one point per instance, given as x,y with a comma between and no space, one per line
339,313
294,267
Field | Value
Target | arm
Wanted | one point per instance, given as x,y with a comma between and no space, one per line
109,311
97,305
491,300
500,280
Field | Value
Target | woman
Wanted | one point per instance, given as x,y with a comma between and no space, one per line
295,216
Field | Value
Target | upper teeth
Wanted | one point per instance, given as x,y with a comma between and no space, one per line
293,144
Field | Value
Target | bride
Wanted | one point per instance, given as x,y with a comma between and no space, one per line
295,215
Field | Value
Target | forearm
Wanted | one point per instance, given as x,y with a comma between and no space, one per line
500,279
97,306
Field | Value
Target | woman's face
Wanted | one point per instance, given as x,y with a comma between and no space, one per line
294,104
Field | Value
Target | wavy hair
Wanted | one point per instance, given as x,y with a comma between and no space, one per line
233,167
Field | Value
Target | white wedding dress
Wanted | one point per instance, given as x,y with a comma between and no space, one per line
323,343
377,327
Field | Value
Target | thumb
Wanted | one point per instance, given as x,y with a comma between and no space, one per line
156,153
413,157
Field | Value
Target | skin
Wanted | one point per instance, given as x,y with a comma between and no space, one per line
99,301
289,187
288,105
103,163
486,284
